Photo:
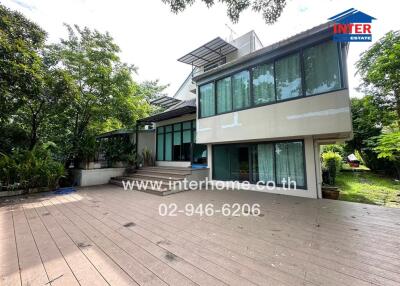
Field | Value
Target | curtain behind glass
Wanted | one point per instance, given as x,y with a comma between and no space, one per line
290,163
288,80
224,98
207,100
321,67
263,84
265,162
241,90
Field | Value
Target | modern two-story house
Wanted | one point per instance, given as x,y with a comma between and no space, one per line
255,114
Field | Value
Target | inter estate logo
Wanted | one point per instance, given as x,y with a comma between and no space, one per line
352,26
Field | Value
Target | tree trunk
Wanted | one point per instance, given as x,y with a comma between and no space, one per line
33,137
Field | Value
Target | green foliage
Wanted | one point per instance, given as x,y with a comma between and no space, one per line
119,149
368,188
332,162
337,148
148,159
389,147
379,68
30,168
368,120
20,63
271,10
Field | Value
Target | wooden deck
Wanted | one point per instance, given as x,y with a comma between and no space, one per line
107,236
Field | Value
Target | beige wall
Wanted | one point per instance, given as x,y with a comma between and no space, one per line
315,115
311,172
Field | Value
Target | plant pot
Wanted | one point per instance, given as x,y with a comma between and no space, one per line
331,193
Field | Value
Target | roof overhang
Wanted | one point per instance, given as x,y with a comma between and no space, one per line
165,101
267,53
208,53
169,114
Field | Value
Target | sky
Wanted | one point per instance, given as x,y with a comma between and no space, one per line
152,38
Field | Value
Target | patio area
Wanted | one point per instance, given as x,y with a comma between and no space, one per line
104,235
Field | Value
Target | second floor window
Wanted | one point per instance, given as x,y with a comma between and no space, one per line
241,90
207,100
321,68
287,76
310,71
224,96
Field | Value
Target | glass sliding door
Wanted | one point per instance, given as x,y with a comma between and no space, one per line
176,151
168,143
261,162
186,140
290,162
177,142
241,90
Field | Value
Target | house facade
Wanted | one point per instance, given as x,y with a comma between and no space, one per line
258,115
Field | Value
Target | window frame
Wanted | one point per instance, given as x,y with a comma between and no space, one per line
343,82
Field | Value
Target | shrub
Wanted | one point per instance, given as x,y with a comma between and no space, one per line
332,162
337,148
26,169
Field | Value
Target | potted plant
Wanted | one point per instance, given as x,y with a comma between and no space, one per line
331,166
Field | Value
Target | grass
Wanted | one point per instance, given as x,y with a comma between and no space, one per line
369,188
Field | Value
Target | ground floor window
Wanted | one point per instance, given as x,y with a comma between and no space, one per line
177,142
266,162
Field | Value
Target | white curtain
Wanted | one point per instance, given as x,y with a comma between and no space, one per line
290,162
265,162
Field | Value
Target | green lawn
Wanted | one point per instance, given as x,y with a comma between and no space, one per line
369,188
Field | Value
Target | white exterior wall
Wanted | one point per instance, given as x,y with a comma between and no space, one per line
326,115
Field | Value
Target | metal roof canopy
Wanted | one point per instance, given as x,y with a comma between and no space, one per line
165,101
208,53
168,114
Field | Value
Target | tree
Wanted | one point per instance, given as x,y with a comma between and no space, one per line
368,120
379,68
105,90
271,10
389,148
20,63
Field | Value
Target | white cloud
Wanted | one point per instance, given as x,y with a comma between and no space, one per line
153,38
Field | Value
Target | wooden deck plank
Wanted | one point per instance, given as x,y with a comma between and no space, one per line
32,268
83,269
356,272
161,269
296,241
102,269
9,266
141,274
175,246
56,267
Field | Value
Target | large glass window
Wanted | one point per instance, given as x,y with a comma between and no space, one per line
224,96
207,100
263,84
287,76
241,90
321,68
276,162
309,71
290,163
177,142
